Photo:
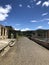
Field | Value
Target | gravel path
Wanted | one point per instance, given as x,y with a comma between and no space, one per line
26,52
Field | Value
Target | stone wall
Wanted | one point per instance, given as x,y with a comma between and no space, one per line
3,32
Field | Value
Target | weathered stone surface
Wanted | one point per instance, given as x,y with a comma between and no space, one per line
3,32
6,42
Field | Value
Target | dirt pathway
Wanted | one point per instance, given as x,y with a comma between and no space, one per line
26,52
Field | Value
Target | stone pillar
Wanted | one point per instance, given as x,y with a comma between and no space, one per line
0,30
6,33
3,33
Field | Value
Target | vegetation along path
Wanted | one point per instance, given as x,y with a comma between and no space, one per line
26,52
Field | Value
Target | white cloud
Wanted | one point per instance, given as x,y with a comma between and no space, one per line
20,5
33,21
3,16
6,9
48,22
46,3
17,24
38,3
47,19
35,0
16,29
44,14
42,20
25,29
39,27
4,12
28,6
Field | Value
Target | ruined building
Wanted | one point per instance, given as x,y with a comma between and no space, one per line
7,32
3,32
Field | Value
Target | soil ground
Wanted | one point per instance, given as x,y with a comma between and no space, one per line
25,52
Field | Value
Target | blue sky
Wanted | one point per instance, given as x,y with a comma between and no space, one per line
25,14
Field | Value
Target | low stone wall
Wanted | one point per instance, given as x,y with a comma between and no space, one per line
5,45
40,42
